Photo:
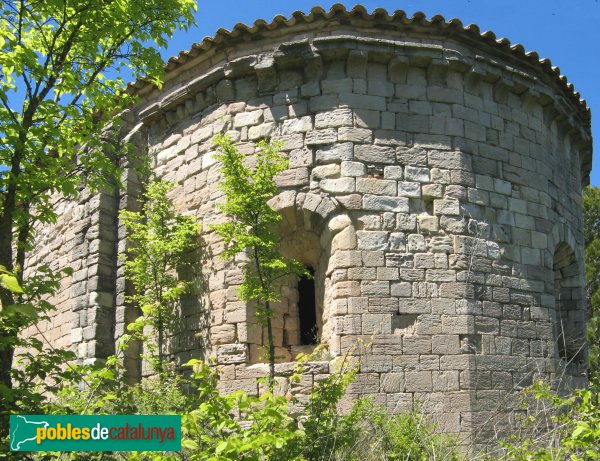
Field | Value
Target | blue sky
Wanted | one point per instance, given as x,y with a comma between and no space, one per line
567,32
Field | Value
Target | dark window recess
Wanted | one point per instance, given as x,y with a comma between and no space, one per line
307,309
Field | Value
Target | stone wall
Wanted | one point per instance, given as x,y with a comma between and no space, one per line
434,185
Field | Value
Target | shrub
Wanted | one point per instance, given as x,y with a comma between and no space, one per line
559,428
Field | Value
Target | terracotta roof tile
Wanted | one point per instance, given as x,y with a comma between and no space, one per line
339,11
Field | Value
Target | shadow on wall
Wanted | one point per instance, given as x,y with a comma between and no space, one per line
188,337
569,314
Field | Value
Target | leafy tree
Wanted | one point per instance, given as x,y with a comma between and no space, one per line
251,228
591,228
56,99
162,239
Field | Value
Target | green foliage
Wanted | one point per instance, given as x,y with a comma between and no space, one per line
591,223
162,241
59,91
367,433
39,371
562,428
9,281
236,426
61,63
370,433
251,228
56,96
322,418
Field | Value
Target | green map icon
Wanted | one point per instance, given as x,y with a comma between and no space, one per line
23,431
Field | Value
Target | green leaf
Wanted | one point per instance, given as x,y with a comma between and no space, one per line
28,310
189,444
11,283
221,447
580,429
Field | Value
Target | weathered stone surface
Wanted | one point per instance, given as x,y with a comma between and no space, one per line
385,203
248,118
336,153
357,135
334,119
376,154
375,186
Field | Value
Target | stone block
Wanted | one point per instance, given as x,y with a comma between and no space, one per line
222,334
401,289
445,344
393,172
340,85
414,306
458,324
416,242
406,222
344,240
418,381
372,240
366,118
382,305
296,177
392,383
319,103
376,324
357,135
385,203
415,173
375,288
428,224
334,119
449,160
330,170
412,156
248,118
345,289
409,189
375,186
364,383
336,153
353,169
390,138
338,186
444,381
232,354
432,191
360,101
319,137
298,125
376,154
291,141
347,325
446,207
375,363
397,241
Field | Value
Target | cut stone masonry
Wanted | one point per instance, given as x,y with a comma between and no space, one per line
434,187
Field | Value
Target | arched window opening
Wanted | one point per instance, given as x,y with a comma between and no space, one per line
298,314
307,312
569,321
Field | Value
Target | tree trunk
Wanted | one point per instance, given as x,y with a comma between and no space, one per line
271,345
160,342
7,334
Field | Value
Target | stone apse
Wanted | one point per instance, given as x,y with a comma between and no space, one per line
434,191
